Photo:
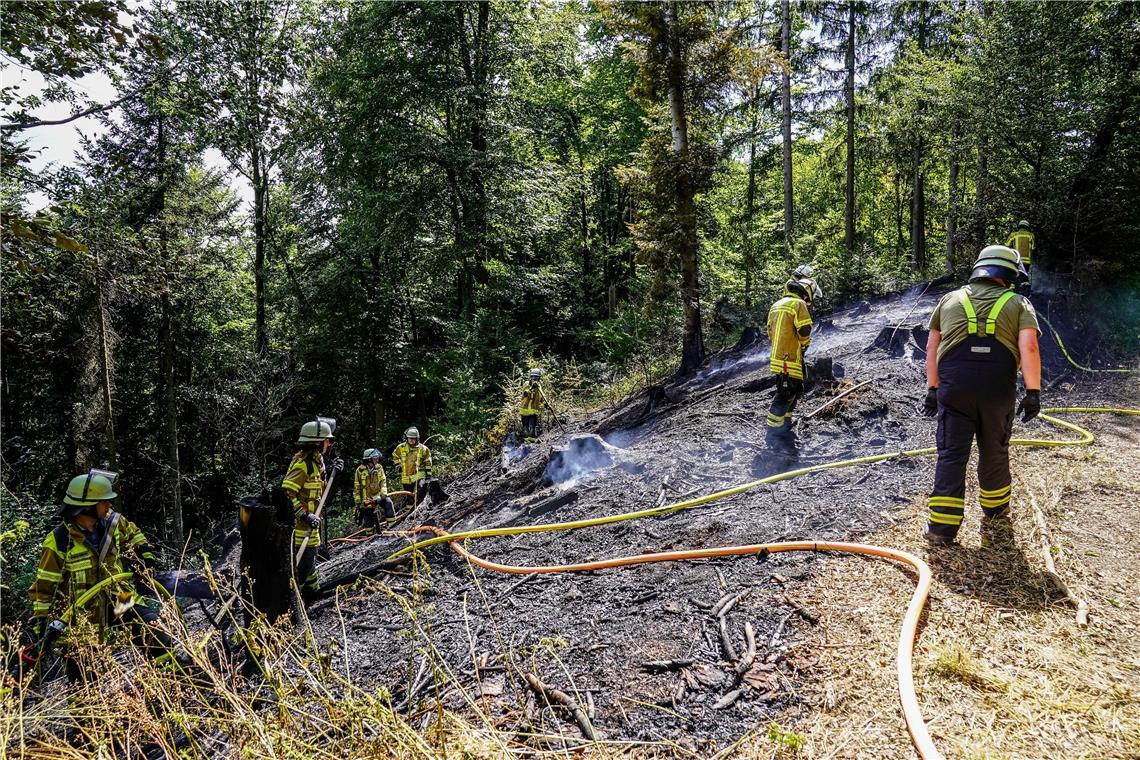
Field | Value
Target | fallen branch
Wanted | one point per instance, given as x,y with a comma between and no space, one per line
664,666
1050,567
749,653
553,696
832,401
725,641
728,699
722,607
805,614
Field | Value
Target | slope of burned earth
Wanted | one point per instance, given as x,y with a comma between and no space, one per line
642,649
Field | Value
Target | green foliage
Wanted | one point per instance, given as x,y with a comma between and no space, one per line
446,193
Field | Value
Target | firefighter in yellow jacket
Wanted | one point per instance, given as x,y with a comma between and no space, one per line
304,482
789,332
533,401
370,490
92,544
1023,241
413,461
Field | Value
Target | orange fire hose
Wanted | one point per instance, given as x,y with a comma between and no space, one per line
911,712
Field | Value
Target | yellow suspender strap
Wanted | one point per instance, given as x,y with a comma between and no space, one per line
971,315
991,317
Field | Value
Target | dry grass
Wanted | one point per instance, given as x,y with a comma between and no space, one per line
1002,668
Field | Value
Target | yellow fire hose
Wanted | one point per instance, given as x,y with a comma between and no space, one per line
911,712
1061,345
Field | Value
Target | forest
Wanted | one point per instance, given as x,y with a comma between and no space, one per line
389,214
386,213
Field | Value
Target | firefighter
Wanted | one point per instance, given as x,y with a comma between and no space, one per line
1023,241
533,401
304,482
789,331
370,489
413,461
979,335
91,544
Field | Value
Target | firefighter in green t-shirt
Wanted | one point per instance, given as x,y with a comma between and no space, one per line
979,335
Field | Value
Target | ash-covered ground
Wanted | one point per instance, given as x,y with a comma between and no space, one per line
591,634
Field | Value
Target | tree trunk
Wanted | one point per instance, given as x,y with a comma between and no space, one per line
266,558
952,203
849,95
918,215
692,339
750,215
261,338
981,199
786,107
918,198
105,372
172,472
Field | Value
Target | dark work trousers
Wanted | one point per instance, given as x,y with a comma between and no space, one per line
530,425
788,392
142,622
976,392
306,576
420,492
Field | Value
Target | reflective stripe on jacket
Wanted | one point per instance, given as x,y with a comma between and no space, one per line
369,484
789,328
414,463
68,568
1024,242
304,483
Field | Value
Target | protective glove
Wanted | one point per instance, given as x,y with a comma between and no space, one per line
930,405
337,464
1030,405
311,520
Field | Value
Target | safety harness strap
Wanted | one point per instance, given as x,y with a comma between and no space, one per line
990,318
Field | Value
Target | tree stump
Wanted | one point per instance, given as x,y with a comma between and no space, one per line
266,557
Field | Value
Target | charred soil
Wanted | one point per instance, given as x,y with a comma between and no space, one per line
643,650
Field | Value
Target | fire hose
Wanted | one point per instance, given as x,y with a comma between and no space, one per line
911,712
1071,360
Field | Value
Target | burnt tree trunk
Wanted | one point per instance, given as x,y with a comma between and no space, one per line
266,559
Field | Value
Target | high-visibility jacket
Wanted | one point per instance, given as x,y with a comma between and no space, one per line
532,401
369,484
304,482
414,463
69,568
789,328
1024,242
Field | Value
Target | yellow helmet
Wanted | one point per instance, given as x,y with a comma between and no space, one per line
90,489
317,430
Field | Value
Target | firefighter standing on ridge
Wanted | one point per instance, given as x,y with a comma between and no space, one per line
533,401
979,335
304,482
370,489
413,460
93,543
1023,241
789,331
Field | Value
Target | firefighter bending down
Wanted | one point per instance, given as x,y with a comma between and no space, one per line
979,335
789,331
304,482
91,544
370,490
413,460
533,401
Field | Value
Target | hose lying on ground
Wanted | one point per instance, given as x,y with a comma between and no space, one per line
1071,360
911,712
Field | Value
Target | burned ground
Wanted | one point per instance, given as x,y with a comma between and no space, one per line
592,634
